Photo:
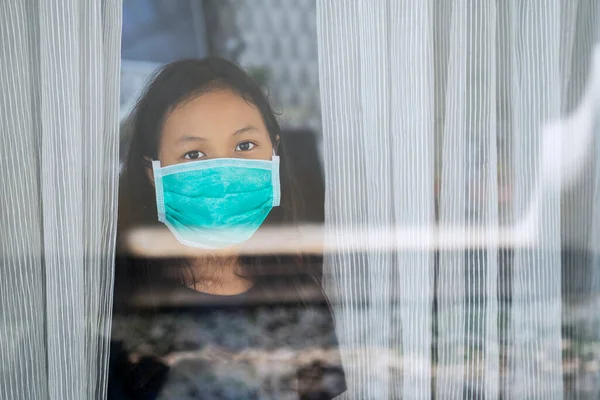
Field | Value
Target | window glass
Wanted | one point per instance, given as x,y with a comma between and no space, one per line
213,325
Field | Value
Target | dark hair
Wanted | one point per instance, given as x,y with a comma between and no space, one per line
172,85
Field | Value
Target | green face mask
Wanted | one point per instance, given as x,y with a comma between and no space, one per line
216,203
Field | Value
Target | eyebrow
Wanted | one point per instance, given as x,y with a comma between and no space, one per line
247,129
185,139
188,138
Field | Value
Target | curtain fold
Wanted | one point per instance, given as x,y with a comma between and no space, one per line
59,108
434,126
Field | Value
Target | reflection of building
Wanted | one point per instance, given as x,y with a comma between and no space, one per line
281,36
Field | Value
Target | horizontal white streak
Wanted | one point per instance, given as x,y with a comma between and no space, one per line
310,239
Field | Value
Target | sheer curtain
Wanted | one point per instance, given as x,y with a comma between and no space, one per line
445,156
59,107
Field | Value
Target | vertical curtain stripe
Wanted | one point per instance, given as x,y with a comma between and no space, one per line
59,162
22,338
433,121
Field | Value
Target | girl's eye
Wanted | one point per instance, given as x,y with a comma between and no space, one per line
194,155
245,146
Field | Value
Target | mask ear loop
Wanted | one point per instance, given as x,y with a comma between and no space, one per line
277,145
158,189
275,180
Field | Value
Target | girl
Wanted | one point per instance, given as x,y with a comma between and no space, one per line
206,160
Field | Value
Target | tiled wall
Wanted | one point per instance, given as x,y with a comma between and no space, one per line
280,36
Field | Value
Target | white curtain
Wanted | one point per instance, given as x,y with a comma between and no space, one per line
442,168
59,103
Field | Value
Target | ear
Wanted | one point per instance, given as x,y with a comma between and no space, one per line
149,170
276,144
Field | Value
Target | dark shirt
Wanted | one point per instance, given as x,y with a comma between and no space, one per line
247,346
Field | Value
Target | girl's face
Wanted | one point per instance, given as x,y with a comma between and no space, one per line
216,124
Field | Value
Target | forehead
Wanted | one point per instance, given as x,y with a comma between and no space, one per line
212,115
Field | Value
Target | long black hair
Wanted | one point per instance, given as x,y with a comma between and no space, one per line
173,84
